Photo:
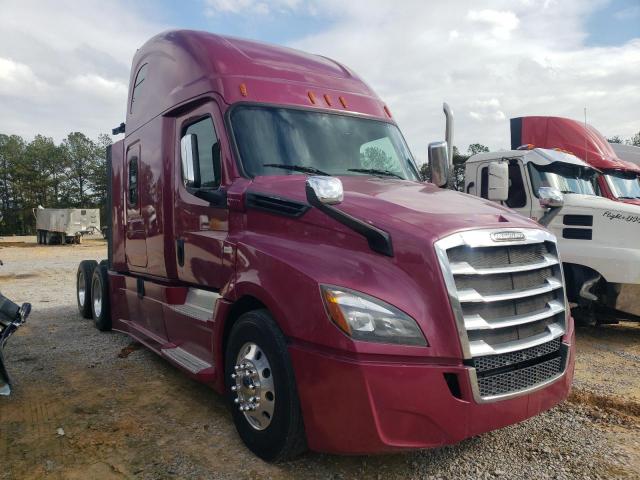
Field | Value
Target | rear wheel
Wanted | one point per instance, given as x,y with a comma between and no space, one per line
83,286
100,307
262,390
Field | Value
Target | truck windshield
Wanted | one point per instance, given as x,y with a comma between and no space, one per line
562,176
284,141
623,185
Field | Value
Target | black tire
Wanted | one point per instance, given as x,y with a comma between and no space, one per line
100,306
284,437
83,281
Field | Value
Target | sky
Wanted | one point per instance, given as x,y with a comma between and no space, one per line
64,65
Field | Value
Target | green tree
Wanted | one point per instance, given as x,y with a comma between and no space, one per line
635,140
81,160
477,148
615,139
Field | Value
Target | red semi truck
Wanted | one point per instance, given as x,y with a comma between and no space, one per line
270,236
619,180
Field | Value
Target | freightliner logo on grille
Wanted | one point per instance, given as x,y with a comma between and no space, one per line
507,236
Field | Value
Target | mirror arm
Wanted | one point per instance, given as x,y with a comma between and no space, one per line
216,198
549,215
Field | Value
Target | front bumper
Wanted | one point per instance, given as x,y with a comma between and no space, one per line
352,406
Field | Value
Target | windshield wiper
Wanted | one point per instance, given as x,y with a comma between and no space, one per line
628,198
375,171
297,168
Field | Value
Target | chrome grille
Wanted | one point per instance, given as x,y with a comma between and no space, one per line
491,362
509,302
521,379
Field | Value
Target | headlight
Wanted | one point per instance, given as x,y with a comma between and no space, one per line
366,318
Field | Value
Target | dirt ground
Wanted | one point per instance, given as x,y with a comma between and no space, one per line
97,405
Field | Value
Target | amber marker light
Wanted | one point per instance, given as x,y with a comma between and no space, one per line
343,102
243,90
312,97
331,301
387,111
327,99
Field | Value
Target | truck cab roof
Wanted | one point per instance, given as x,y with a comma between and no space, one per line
577,137
538,156
176,66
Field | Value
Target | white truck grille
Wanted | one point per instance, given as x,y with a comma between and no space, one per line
507,293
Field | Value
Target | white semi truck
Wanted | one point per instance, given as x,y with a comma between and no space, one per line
597,237
65,225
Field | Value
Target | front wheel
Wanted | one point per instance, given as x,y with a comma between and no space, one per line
262,390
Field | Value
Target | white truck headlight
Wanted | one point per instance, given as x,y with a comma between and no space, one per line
366,318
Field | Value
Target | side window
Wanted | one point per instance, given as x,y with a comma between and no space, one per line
132,196
380,154
207,155
517,195
137,84
484,182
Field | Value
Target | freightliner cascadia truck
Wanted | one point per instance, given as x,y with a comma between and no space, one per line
618,179
597,236
270,235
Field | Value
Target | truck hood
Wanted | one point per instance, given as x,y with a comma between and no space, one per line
412,207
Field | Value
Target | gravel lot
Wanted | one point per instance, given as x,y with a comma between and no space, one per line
94,405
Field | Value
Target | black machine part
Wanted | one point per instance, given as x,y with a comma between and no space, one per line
11,317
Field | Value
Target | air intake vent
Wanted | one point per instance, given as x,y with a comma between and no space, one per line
508,300
276,205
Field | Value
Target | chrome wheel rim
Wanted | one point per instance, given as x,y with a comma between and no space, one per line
252,384
82,294
97,299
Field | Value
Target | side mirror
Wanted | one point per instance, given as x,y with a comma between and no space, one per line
189,160
550,197
439,163
498,181
327,190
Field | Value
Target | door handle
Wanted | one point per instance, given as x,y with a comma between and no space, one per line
180,251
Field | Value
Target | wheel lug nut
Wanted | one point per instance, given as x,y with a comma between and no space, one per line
236,400
234,388
233,376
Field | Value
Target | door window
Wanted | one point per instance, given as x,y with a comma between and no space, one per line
133,181
517,195
208,152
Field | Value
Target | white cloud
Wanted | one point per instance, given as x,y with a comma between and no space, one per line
64,65
250,7
505,59
502,23
18,79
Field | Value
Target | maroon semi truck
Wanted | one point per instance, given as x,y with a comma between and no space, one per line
270,235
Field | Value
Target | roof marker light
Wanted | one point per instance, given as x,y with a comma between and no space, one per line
386,110
343,102
312,97
528,146
327,99
243,90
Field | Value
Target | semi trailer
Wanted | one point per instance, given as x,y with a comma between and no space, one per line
628,153
269,234
617,179
65,225
597,236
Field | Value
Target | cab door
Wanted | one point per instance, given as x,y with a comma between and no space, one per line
136,236
201,222
519,197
